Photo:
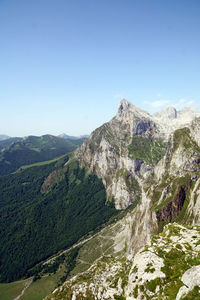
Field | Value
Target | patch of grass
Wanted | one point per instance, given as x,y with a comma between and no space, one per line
135,269
8,291
182,137
148,150
178,246
193,295
116,297
151,285
135,291
90,251
40,288
150,268
46,284
42,163
197,243
174,230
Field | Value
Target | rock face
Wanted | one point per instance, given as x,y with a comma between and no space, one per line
173,208
110,152
133,145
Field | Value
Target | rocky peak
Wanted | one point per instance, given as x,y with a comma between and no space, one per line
124,105
169,119
188,114
169,113
127,109
138,121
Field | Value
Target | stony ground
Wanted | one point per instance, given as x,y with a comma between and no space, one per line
167,268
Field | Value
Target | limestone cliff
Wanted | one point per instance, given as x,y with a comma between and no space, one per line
121,150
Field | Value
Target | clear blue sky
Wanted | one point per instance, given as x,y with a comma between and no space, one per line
65,65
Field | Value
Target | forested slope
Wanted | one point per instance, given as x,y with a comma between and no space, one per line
45,209
17,152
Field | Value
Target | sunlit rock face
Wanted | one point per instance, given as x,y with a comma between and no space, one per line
134,144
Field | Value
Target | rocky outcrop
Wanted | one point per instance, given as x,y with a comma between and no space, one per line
190,279
166,268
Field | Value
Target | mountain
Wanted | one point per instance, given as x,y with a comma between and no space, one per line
16,152
167,114
65,136
7,142
116,219
173,119
3,137
150,162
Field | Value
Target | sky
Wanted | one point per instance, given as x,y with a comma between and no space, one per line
65,65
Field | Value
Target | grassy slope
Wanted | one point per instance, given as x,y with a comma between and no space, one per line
42,163
8,291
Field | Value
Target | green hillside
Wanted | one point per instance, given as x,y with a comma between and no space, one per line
17,153
8,142
44,209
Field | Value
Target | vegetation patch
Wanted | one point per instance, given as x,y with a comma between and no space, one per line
151,285
135,291
148,150
193,295
117,297
182,137
149,268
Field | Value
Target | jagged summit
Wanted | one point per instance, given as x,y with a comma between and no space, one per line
169,116
125,106
170,119
169,113
188,114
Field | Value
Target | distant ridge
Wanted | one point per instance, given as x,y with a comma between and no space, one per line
71,137
4,137
16,152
